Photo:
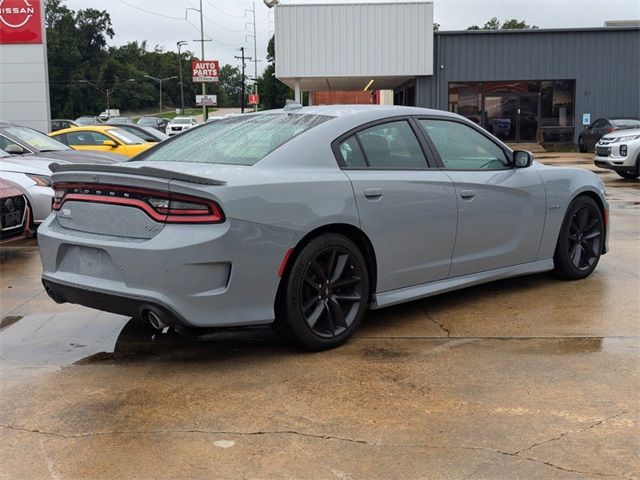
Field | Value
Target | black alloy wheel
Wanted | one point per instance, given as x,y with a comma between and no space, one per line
324,295
331,292
581,240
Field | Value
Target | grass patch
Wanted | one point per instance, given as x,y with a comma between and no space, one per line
171,114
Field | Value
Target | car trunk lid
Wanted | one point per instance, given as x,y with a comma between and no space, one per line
125,200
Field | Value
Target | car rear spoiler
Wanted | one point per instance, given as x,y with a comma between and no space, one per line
144,171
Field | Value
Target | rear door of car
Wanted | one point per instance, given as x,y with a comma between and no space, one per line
501,209
407,208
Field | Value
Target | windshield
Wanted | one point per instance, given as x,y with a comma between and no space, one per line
242,140
625,122
125,137
181,121
35,139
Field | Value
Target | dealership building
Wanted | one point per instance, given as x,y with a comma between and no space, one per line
527,86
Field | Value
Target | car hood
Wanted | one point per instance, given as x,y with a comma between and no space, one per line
84,156
27,164
623,133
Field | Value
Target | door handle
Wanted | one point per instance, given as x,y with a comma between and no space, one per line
467,194
373,193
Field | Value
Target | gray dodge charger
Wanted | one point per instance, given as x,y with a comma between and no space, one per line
305,217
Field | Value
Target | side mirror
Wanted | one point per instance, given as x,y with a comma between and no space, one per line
109,143
522,159
14,149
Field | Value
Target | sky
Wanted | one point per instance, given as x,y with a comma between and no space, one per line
228,23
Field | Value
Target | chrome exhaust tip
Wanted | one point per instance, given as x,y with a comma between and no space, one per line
155,321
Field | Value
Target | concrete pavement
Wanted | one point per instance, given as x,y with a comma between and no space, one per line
519,379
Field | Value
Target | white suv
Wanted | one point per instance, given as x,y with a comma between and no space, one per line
180,124
620,151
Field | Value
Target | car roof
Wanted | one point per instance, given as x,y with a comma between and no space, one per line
375,111
91,128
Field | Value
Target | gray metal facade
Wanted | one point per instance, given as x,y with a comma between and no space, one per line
604,62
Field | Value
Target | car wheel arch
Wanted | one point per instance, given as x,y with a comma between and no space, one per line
596,198
351,232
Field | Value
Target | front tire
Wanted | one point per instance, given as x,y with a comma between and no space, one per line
581,240
324,295
628,174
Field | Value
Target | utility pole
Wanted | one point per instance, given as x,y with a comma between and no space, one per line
202,40
180,44
252,12
242,94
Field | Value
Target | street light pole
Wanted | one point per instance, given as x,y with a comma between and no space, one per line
160,80
180,44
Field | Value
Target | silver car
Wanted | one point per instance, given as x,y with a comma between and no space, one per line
306,217
33,177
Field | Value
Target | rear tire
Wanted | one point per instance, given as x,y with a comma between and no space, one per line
581,240
581,146
324,295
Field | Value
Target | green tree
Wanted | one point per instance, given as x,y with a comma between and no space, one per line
515,24
273,93
495,24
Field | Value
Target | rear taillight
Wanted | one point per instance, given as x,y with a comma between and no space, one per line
164,207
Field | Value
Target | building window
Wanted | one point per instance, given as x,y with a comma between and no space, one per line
518,111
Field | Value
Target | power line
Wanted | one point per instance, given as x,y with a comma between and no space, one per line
222,11
149,11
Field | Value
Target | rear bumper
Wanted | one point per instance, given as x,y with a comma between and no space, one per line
198,275
130,306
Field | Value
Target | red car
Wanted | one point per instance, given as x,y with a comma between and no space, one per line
15,216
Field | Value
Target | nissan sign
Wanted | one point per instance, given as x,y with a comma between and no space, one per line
20,21
204,70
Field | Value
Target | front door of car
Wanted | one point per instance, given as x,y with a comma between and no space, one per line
501,209
407,209
89,140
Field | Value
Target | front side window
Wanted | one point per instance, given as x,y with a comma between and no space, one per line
463,148
392,145
241,140
86,138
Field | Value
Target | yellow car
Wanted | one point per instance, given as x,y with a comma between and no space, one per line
103,138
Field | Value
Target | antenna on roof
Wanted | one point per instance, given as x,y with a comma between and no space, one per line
291,105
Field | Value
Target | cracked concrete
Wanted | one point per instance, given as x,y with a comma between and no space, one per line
527,378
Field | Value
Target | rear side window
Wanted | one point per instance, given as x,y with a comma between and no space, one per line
241,140
391,146
351,153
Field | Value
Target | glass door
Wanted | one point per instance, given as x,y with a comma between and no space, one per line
501,115
527,118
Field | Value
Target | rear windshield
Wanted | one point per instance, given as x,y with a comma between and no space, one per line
242,140
625,122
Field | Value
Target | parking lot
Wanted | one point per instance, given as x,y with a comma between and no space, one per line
524,378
